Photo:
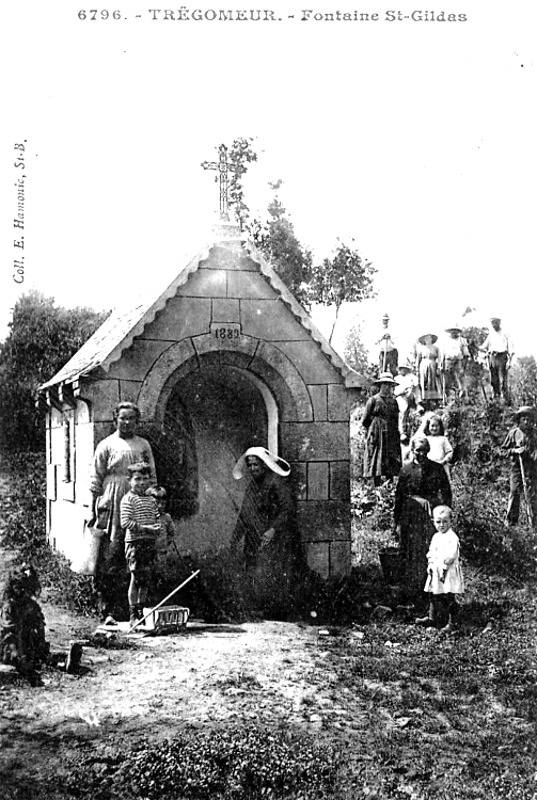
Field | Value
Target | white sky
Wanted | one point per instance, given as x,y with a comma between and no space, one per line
416,139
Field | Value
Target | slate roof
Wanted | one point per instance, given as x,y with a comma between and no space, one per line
118,332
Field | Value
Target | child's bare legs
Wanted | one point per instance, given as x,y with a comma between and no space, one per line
137,594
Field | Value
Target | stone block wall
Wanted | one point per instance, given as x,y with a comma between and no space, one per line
267,343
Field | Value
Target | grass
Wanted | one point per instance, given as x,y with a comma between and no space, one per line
450,717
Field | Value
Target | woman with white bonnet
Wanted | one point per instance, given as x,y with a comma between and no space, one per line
266,528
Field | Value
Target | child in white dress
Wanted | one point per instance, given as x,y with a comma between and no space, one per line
441,450
444,574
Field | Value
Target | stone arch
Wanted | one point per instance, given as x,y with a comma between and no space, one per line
266,364
235,395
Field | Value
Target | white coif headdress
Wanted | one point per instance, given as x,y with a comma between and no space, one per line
274,463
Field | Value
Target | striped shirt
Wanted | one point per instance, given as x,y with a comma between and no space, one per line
138,510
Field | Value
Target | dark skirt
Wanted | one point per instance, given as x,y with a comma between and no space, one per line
416,531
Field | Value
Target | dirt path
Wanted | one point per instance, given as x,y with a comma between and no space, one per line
208,674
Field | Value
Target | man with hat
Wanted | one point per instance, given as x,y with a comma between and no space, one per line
382,456
455,355
499,350
266,529
388,356
521,446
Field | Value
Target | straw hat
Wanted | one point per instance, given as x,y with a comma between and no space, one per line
433,336
524,411
454,328
273,462
385,377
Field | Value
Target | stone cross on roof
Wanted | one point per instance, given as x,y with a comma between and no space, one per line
224,167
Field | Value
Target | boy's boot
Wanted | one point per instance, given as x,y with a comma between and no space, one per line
429,620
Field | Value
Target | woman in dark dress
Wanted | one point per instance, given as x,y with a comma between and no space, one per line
422,485
382,456
266,528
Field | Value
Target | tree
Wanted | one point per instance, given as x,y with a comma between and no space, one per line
345,278
277,240
240,154
42,338
354,351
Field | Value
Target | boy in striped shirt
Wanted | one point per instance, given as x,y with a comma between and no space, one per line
139,520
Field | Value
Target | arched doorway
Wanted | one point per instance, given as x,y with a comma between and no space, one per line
212,415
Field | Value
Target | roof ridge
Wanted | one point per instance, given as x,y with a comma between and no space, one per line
137,316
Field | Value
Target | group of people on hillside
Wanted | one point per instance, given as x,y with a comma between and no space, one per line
441,367
424,484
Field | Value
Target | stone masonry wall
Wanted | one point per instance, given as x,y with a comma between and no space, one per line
227,310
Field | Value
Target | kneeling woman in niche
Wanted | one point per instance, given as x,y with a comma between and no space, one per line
266,528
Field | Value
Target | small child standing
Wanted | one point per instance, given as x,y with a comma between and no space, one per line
444,574
167,534
441,450
167,528
140,521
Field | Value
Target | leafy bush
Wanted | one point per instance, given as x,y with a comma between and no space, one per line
481,487
238,763
218,594
523,381
42,338
23,531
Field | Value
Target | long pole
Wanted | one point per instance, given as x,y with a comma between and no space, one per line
139,622
527,498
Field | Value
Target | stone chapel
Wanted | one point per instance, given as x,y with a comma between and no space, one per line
221,359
